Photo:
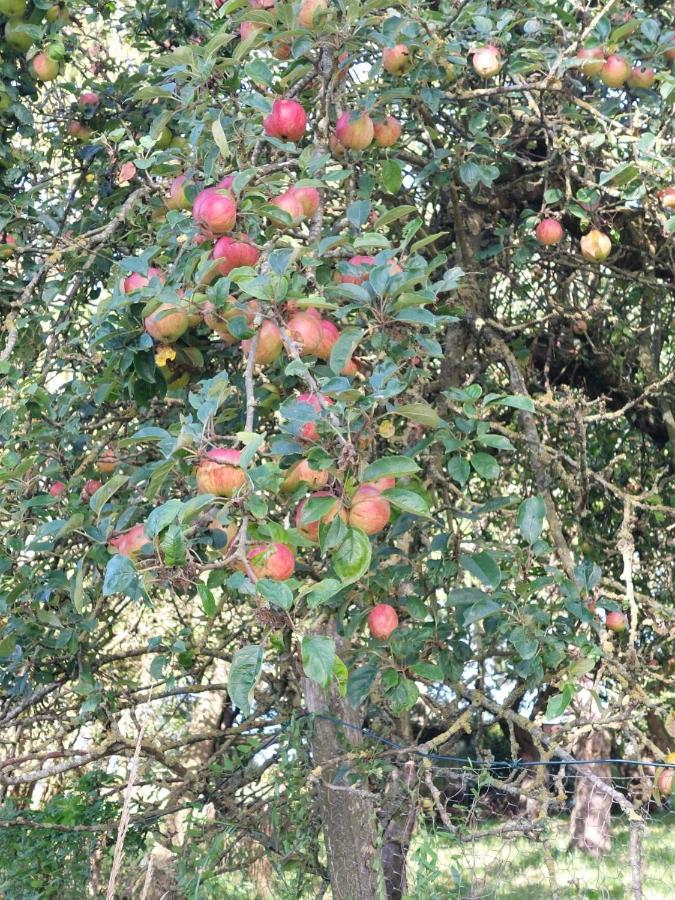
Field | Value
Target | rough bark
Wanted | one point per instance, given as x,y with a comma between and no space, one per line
347,811
589,826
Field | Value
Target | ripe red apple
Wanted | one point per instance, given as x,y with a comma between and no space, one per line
306,332
318,402
79,131
595,246
219,472
167,323
382,620
593,60
88,98
287,120
615,71
387,132
615,621
309,199
290,204
231,252
549,231
641,78
281,50
381,484
7,246
487,61
44,67
270,344
369,510
311,530
354,130
664,782
130,542
91,485
667,197
225,184
57,488
177,198
329,335
275,561
310,10
107,462
136,281
396,60
336,148
214,210
301,471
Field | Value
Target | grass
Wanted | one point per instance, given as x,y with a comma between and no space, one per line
517,869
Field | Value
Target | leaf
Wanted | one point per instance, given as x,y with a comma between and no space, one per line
121,578
220,139
558,703
173,546
388,466
341,674
464,596
322,591
481,610
524,643
496,441
459,469
343,348
358,212
244,673
318,658
483,567
517,401
402,696
352,558
161,517
530,518
275,592
78,588
422,413
7,645
103,494
208,600
392,176
485,465
393,215
315,509
359,683
408,501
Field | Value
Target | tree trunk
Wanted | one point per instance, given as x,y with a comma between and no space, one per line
347,812
589,826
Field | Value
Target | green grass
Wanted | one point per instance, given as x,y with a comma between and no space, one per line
516,869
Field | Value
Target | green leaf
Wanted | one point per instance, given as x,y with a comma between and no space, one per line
480,610
7,645
530,518
524,643
430,671
318,658
392,176
464,596
343,348
208,600
517,401
121,578
275,592
315,509
322,591
173,546
459,469
496,441
558,703
483,567
408,501
388,466
244,673
359,683
99,499
423,413
161,517
358,212
352,558
403,696
341,675
485,465
393,215
78,588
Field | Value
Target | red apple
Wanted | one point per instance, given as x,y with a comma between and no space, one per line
381,484
615,621
396,60
290,204
287,120
136,281
595,246
225,184
309,430
302,471
79,131
615,71
311,530
664,782
309,199
549,231
281,51
275,561
354,130
387,132
369,510
88,98
177,198
130,542
667,197
7,246
248,29
487,61
57,488
167,323
214,210
44,67
593,60
306,332
359,262
107,462
231,253
270,344
310,10
382,620
91,485
219,472
641,78
329,335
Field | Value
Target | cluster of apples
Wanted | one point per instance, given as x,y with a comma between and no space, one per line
595,246
615,70
20,33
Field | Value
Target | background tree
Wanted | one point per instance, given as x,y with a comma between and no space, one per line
337,379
